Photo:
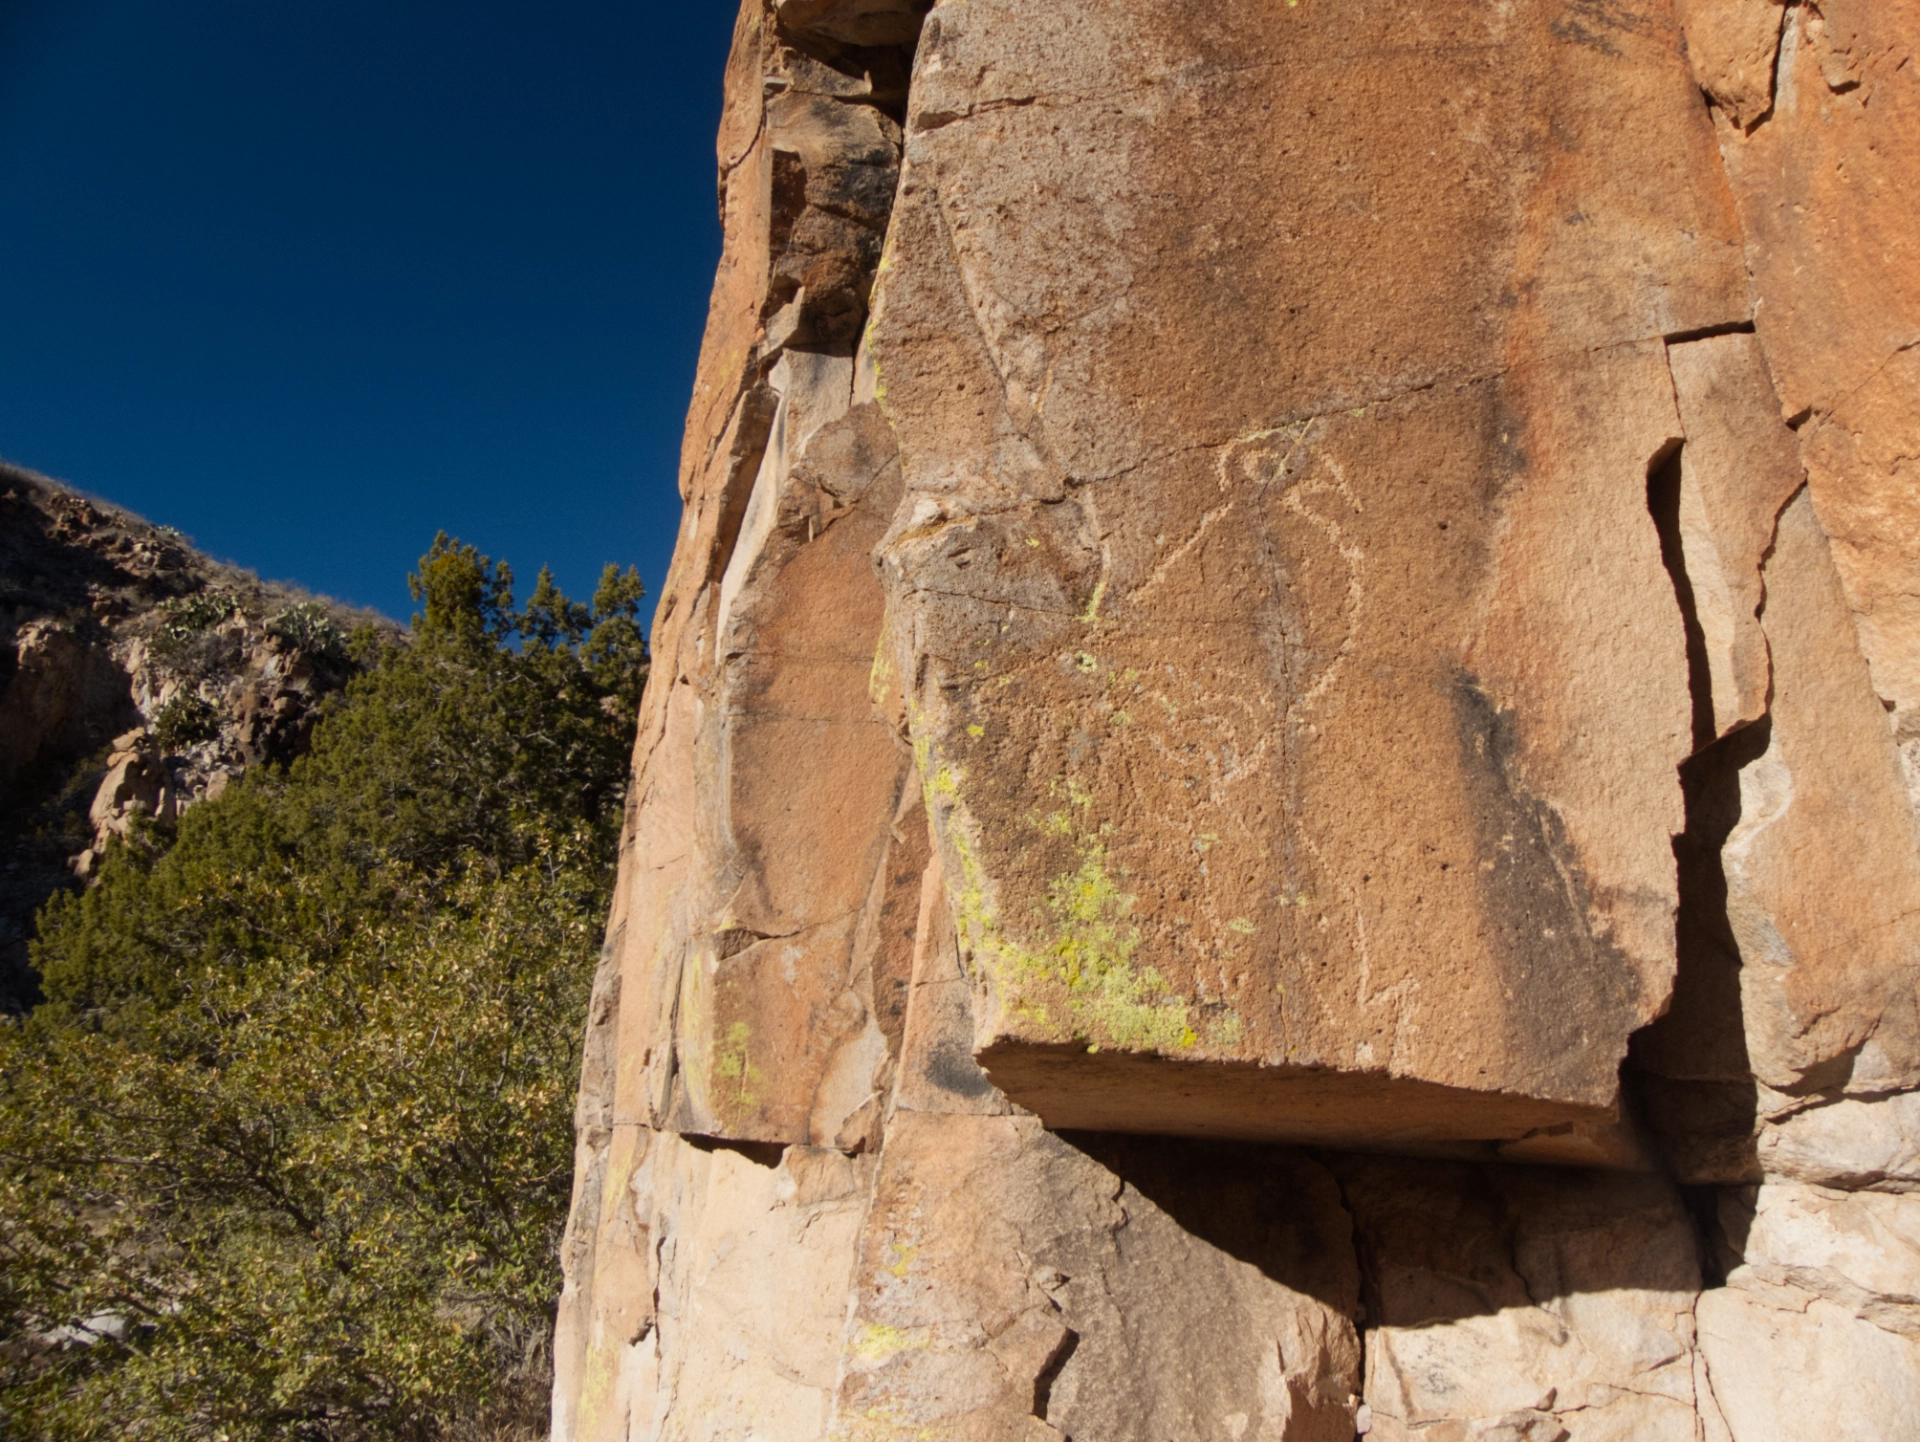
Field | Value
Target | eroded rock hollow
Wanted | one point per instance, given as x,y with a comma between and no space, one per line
1278,798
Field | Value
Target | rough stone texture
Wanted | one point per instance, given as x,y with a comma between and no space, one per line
1738,468
719,1302
1859,1250
1350,569
767,931
1855,1145
1732,44
1545,1304
1808,1372
1012,1286
1829,970
1281,712
1824,188
60,690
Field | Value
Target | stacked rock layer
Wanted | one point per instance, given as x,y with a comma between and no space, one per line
1279,793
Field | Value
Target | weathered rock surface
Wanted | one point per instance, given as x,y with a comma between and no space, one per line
1548,1304
1010,1285
1283,714
1267,576
1824,192
770,935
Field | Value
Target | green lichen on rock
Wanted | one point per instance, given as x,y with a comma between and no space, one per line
1081,982
1113,1002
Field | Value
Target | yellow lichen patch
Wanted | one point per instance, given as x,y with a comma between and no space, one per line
1085,965
903,1255
1242,925
596,1387
732,1064
1111,1001
976,731
922,743
876,1342
1091,612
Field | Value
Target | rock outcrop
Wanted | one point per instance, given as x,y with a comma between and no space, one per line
137,676
1279,793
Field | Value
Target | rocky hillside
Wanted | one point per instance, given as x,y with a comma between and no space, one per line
1276,800
137,676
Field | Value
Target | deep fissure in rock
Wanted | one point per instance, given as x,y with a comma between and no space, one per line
1689,1072
1663,503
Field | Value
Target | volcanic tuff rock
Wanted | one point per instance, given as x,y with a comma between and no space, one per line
137,676
1279,574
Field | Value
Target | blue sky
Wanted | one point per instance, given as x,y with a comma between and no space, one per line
313,280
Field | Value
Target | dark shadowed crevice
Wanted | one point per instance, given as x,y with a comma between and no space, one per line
1369,1308
761,1154
1689,1072
1663,503
1239,1197
1708,332
1050,1373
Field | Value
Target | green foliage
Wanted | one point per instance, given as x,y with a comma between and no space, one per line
185,719
286,1152
186,617
307,627
465,595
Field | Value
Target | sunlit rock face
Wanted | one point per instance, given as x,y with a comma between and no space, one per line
1278,795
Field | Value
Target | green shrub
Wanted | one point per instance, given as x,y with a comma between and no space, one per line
184,618
307,627
185,719
290,1140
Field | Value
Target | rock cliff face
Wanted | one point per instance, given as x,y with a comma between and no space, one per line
1279,794
137,676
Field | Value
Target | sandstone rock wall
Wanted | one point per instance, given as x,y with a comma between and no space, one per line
1279,793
